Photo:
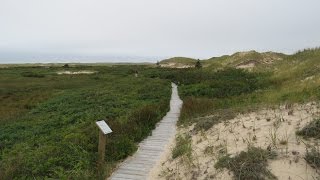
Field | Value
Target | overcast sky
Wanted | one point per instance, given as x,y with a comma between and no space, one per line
103,30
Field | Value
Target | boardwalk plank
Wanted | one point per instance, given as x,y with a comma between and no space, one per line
139,165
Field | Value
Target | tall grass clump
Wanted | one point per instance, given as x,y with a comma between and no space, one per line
193,107
311,130
183,147
248,165
217,116
313,157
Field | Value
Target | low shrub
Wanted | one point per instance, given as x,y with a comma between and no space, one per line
312,130
248,165
313,157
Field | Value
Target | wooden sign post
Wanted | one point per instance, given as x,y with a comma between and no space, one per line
104,129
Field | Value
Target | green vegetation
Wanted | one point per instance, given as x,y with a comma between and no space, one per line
214,84
183,147
248,165
47,120
207,91
198,64
262,61
182,60
205,123
218,87
219,91
313,157
32,74
312,130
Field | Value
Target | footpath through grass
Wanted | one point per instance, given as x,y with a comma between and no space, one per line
48,126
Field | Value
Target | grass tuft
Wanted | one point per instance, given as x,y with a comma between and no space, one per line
206,123
311,130
313,157
183,147
248,165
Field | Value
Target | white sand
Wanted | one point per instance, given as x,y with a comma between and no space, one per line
76,72
233,136
246,66
176,65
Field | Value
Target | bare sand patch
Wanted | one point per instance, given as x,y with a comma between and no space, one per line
76,72
268,128
176,65
249,65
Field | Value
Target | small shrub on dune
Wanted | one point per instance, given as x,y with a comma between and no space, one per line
183,147
248,165
313,157
312,130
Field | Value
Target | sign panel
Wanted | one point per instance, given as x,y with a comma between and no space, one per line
103,126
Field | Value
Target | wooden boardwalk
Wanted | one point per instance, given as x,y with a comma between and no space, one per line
140,164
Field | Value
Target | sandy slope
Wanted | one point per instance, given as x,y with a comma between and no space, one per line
234,136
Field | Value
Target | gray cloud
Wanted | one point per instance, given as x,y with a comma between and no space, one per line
30,30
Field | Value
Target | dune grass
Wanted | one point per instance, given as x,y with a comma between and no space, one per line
313,157
251,164
183,147
312,130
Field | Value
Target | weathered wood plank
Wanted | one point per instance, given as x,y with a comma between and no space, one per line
139,165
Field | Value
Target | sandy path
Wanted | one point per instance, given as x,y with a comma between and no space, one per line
153,148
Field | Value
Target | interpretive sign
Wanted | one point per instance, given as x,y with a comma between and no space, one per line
104,129
103,126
